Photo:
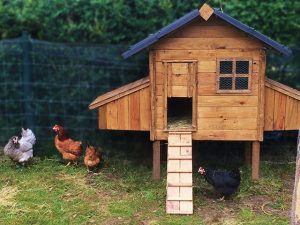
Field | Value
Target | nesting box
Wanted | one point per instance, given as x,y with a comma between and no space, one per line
207,78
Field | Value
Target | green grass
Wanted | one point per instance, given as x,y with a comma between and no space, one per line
47,192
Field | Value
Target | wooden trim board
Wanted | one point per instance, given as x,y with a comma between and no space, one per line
282,88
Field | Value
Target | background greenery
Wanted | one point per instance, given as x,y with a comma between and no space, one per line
127,21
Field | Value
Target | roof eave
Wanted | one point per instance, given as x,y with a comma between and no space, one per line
160,34
254,33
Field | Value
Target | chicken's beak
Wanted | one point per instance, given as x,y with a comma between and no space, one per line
201,171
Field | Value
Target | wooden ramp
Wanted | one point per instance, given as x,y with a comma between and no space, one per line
179,177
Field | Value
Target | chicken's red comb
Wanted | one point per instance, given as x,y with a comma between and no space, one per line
55,126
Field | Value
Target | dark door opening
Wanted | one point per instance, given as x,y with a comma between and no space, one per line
179,113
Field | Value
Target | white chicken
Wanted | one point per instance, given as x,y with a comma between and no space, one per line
27,136
18,152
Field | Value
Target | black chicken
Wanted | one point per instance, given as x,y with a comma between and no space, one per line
224,182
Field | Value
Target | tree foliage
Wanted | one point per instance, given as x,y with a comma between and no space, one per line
127,21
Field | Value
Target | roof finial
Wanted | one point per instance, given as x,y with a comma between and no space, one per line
206,11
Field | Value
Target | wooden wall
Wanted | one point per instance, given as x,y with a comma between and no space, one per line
130,112
219,116
282,112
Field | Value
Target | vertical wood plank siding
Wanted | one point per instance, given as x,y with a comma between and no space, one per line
130,112
282,112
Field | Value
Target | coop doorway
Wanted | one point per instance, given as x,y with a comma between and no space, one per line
180,113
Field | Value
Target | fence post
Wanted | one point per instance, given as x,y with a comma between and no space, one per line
26,80
295,212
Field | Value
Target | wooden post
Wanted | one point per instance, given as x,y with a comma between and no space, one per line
26,80
247,153
295,215
255,159
156,160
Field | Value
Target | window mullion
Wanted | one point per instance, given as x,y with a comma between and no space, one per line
233,73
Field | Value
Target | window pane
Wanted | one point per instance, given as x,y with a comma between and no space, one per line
225,83
225,67
241,83
242,67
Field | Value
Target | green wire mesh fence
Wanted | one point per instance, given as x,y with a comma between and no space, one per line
44,83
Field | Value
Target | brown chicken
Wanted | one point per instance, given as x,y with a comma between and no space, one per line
71,150
92,158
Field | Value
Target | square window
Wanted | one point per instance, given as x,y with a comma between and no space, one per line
234,75
241,83
225,83
226,67
242,67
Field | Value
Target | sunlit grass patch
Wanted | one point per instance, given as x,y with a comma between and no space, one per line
7,196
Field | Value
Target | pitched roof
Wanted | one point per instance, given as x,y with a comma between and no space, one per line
153,38
120,92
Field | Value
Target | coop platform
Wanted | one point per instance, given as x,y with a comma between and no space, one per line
179,173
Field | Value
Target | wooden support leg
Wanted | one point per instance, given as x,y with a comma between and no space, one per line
295,215
247,153
156,160
255,159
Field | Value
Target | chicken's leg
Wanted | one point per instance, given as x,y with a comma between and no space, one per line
222,198
88,169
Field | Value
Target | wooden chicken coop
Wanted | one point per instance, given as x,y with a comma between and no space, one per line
206,81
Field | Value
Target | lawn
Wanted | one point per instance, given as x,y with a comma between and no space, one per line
47,192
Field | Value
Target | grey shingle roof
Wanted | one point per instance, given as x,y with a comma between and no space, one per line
153,38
